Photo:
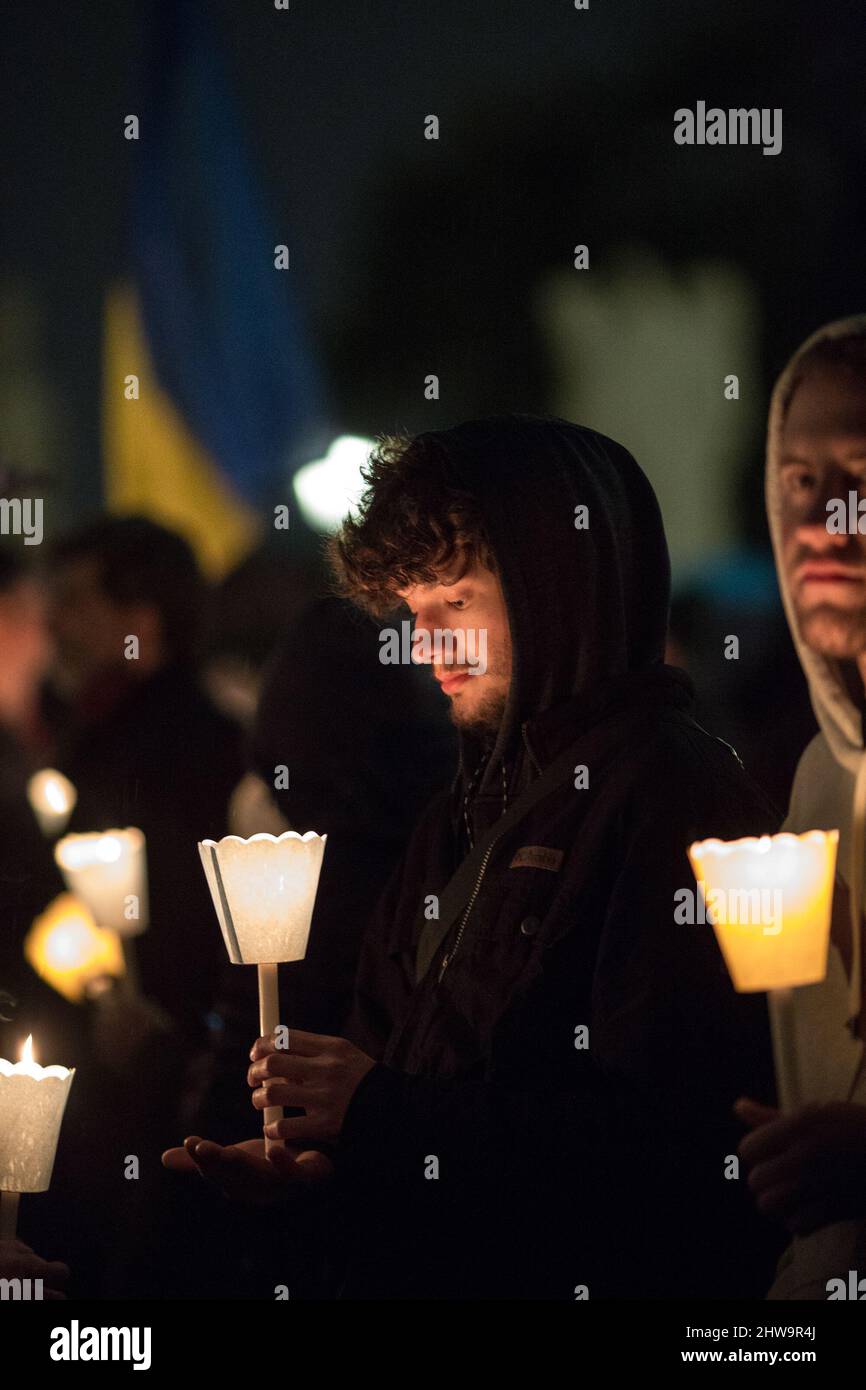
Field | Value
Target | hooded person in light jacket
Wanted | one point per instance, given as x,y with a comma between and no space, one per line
808,1168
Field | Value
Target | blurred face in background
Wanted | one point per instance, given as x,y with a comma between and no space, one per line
90,629
823,457
25,649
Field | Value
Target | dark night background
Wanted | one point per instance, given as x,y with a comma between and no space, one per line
454,256
413,256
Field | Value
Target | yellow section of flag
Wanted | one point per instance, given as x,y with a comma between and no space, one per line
154,466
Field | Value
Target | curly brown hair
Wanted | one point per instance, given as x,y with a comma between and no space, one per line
414,524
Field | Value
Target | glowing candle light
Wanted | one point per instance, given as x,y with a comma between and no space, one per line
108,871
70,952
263,891
52,798
770,901
32,1102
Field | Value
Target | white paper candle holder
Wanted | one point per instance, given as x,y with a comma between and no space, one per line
770,902
263,891
107,870
32,1102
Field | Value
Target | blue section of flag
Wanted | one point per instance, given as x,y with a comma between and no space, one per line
224,334
746,577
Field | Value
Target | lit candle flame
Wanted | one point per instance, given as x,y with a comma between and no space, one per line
26,1066
52,797
55,794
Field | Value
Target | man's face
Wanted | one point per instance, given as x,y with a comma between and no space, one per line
89,630
24,642
474,606
823,456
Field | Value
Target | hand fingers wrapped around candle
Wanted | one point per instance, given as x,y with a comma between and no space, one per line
282,1078
317,1074
295,1041
282,1064
773,1138
301,1083
781,1176
809,1169
753,1113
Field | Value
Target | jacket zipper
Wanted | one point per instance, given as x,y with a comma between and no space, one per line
446,960
449,956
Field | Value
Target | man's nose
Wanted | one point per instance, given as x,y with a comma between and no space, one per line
812,529
423,647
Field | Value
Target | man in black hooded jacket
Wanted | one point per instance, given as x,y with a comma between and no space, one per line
532,1097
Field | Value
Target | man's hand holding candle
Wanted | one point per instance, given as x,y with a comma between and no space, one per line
316,1073
806,1169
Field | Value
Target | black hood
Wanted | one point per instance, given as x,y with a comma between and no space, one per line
585,606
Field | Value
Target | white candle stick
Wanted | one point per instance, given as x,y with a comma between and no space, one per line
784,1034
9,1214
269,1019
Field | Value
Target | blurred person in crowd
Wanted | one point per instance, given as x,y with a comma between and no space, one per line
26,648
366,746
808,1168
141,742
530,1026
29,881
248,613
144,747
736,595
29,878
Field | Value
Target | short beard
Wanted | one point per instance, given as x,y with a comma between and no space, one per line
485,720
834,632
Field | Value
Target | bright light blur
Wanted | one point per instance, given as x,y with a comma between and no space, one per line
81,852
52,798
783,885
104,870
69,951
328,488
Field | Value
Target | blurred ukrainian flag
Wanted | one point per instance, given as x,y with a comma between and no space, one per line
229,398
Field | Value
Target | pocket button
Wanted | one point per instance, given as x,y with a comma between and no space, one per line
529,926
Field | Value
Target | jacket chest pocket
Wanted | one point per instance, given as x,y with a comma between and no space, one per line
500,941
513,904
